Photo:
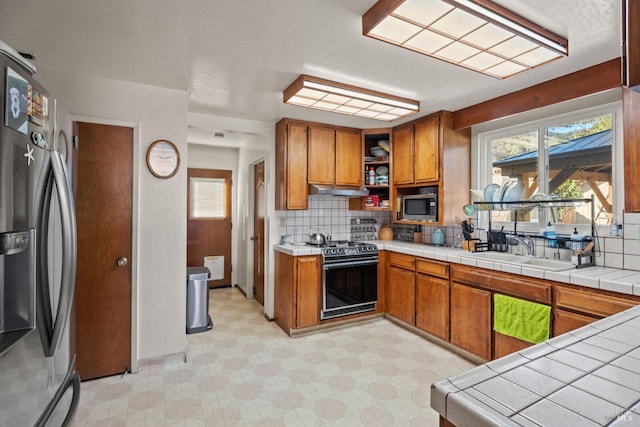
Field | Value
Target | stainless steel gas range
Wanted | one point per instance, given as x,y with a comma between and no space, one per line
349,278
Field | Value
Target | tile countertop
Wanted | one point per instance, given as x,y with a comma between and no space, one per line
586,377
606,278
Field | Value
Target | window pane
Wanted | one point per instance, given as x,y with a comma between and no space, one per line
207,198
515,158
580,166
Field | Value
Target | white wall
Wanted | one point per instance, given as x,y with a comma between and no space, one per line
159,223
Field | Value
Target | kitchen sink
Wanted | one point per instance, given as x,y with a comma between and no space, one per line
523,260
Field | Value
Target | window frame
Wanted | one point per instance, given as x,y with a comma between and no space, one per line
192,196
483,168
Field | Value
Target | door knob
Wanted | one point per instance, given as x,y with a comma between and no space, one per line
122,261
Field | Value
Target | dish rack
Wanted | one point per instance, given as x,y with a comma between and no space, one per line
582,257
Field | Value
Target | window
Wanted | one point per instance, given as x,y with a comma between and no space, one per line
207,198
572,156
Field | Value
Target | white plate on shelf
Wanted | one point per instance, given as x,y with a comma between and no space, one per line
382,171
490,191
513,193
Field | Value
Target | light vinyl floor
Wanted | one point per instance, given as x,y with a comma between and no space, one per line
247,372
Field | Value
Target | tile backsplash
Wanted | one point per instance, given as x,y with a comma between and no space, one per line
331,216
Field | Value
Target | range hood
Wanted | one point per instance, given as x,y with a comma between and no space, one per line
337,190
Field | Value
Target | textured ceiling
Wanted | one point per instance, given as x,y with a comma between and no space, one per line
235,57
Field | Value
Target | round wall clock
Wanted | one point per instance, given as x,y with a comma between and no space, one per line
163,158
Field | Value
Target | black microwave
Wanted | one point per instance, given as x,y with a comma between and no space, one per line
420,207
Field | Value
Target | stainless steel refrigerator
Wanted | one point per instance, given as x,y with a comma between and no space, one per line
38,382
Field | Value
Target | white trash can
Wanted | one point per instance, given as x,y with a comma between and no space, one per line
198,318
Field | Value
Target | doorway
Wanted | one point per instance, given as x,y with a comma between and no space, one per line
209,223
104,171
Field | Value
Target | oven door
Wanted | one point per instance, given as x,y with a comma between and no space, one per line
349,286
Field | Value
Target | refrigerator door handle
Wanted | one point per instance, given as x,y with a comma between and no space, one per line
54,172
69,247
44,316
71,379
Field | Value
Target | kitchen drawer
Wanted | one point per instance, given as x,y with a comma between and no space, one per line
529,289
504,283
592,302
470,275
432,268
406,262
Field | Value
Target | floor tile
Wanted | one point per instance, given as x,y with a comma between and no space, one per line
247,371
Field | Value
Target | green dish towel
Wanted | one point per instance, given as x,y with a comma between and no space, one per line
528,321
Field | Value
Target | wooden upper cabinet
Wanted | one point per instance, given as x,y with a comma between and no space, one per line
322,154
348,153
631,119
291,165
403,155
416,152
427,151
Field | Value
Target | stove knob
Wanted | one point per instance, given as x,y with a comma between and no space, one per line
332,251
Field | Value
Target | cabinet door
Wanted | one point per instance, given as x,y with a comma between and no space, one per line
565,321
308,291
349,159
283,291
504,345
400,294
432,305
471,319
403,158
630,113
296,167
426,149
322,155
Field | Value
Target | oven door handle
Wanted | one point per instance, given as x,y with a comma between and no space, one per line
352,263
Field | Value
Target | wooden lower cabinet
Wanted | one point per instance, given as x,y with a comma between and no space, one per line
297,291
566,321
576,307
400,294
432,305
504,345
471,319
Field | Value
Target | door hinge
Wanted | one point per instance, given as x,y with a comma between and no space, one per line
75,141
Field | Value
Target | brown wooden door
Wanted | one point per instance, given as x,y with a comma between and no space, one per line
322,155
349,169
209,225
426,150
259,212
400,294
432,305
103,287
403,158
471,319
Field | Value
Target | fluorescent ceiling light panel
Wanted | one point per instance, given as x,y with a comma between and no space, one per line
312,92
477,34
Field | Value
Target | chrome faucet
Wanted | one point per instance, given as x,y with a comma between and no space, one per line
525,241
